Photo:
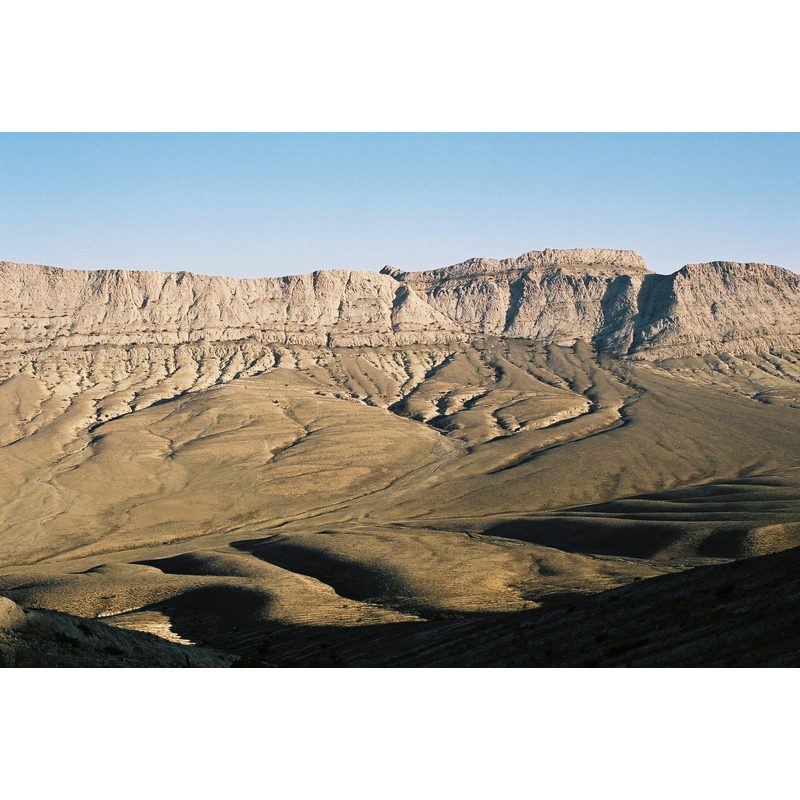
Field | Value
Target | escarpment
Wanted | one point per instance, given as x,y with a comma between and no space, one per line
611,298
44,306
608,297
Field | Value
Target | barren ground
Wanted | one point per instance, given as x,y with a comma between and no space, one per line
362,487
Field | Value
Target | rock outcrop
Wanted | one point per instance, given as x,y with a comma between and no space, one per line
605,296
611,298
721,306
38,638
40,306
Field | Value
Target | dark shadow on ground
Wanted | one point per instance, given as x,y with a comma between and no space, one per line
215,613
349,579
610,537
744,613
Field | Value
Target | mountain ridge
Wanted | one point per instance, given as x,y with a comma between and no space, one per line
608,297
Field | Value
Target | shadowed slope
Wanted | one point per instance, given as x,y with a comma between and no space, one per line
723,519
743,614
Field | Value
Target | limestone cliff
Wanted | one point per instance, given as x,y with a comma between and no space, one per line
41,306
611,298
605,296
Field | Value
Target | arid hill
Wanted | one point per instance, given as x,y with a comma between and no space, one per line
202,457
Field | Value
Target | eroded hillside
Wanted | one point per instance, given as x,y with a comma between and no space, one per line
189,455
605,295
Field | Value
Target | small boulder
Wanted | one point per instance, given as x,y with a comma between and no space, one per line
12,616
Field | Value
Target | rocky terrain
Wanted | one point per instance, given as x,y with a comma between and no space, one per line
597,295
30,638
205,458
742,614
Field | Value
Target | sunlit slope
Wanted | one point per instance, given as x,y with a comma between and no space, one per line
263,450
640,429
705,451
460,437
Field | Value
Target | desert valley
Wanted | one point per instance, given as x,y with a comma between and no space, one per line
562,459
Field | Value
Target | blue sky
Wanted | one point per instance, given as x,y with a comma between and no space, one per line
274,204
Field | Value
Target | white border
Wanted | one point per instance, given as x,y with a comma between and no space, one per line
432,66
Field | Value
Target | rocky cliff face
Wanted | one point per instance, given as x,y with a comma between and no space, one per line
610,297
605,296
72,308
721,306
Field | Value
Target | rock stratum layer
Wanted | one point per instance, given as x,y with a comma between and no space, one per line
608,297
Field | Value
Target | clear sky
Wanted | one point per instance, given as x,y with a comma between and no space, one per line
253,205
